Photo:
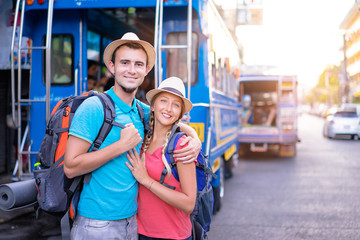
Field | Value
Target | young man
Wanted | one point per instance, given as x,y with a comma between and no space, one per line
108,203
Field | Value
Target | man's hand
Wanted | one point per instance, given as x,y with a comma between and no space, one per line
189,153
130,137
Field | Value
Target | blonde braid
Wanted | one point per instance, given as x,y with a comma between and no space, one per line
167,137
148,135
163,158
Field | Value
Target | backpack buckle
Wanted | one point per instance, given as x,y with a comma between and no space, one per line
66,112
49,131
108,120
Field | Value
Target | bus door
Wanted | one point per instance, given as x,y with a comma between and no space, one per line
58,59
66,68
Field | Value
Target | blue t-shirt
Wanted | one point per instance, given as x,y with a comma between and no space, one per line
112,191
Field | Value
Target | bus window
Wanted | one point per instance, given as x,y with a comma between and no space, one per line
62,59
93,46
233,86
104,42
176,58
213,75
224,79
218,75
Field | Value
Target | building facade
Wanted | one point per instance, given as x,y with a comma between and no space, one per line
350,28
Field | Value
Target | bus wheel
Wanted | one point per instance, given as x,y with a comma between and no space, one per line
220,190
244,150
229,165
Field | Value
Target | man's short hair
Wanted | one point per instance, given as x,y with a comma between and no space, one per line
131,45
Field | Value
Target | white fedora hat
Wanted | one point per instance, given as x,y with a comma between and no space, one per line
173,85
130,37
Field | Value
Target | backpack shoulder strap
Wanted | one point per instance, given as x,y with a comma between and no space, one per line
109,119
175,135
142,116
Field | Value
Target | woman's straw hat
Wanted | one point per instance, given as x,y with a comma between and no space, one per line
173,85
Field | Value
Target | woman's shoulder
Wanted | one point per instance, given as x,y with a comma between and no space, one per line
181,139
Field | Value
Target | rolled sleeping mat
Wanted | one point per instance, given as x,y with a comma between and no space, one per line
17,194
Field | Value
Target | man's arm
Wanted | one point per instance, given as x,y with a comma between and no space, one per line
189,131
191,151
79,161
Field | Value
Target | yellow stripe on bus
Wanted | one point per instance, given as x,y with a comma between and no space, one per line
230,152
199,128
216,165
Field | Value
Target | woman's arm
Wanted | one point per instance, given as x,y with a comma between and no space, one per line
184,200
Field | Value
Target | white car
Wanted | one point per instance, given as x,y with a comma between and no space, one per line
342,123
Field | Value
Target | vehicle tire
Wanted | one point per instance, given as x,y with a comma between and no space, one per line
244,149
217,200
220,190
229,165
295,150
355,137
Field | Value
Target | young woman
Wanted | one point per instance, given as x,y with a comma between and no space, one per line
162,212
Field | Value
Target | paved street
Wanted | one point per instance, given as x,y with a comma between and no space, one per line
314,195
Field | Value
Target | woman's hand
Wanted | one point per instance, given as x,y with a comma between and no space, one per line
138,169
189,153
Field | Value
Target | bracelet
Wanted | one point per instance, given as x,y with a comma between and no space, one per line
151,184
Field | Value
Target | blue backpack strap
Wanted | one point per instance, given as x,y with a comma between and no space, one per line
203,163
175,135
169,154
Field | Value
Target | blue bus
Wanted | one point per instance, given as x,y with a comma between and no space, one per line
191,40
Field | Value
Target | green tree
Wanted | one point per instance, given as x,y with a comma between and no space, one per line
327,87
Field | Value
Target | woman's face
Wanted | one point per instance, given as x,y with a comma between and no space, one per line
167,109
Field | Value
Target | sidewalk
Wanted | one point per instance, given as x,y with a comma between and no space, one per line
5,178
22,224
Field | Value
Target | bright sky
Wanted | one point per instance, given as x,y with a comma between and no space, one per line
299,36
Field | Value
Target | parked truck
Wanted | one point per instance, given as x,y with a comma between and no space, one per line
269,114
